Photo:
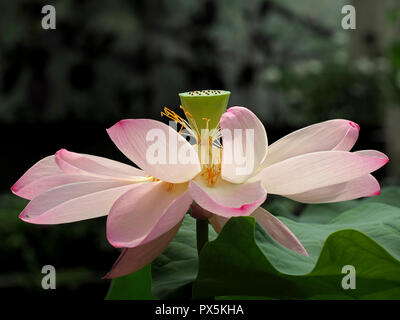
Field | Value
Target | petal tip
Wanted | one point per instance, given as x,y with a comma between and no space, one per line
24,217
354,125
385,160
116,125
123,122
300,249
61,151
376,193
107,276
18,190
14,189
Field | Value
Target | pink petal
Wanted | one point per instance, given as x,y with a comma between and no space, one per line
277,230
319,169
45,183
234,119
227,199
83,164
335,134
145,213
130,136
364,186
74,202
44,168
69,167
274,227
133,259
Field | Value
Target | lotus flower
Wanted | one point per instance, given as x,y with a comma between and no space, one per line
145,206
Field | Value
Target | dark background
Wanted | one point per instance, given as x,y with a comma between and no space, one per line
290,62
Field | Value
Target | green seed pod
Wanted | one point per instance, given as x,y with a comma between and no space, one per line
205,104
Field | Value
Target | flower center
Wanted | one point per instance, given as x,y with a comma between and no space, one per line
211,173
208,144
210,155
152,179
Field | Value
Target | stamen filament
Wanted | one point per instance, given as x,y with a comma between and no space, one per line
178,119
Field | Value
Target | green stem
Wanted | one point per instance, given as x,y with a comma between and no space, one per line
201,233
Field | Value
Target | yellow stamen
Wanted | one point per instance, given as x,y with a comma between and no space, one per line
212,173
174,117
187,114
190,126
192,122
207,121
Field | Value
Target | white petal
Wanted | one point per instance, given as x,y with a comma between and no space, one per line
364,186
335,134
317,170
245,144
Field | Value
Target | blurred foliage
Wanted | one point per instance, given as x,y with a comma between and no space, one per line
26,248
108,60
315,91
394,76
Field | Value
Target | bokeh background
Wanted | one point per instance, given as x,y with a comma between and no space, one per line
288,61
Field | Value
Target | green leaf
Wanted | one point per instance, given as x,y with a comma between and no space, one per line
325,212
135,286
176,268
245,261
